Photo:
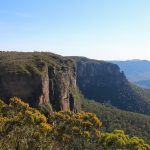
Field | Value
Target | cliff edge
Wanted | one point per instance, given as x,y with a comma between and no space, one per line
105,83
39,78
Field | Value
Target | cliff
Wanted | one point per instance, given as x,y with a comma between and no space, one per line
103,82
39,78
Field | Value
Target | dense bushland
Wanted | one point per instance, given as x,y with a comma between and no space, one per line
113,118
24,128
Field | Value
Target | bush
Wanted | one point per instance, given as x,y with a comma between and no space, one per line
25,128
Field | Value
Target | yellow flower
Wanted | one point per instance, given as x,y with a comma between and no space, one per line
19,102
3,119
36,116
66,138
87,123
98,133
75,129
85,134
46,126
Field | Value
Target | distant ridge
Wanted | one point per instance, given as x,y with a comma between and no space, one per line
137,71
105,83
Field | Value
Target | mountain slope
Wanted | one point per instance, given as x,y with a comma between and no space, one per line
143,83
113,118
103,82
137,71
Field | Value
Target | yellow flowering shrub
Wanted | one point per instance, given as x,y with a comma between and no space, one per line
66,138
118,140
18,104
35,117
23,127
75,129
46,126
85,134
2,104
3,119
82,126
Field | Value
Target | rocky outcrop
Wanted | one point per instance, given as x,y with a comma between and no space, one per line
103,82
39,78
61,94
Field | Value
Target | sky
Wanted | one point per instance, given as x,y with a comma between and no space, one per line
98,29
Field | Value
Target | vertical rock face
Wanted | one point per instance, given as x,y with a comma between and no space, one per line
61,88
103,82
99,80
39,78
44,97
29,88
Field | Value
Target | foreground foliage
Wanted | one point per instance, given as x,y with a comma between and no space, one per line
25,128
113,118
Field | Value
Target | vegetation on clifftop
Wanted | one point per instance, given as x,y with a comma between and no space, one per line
29,62
24,128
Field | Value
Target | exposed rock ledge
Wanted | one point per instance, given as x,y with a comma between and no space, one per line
39,78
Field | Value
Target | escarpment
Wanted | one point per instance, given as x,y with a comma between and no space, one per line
39,78
103,82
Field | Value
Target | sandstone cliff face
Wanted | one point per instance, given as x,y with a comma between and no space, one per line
39,78
61,94
103,82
